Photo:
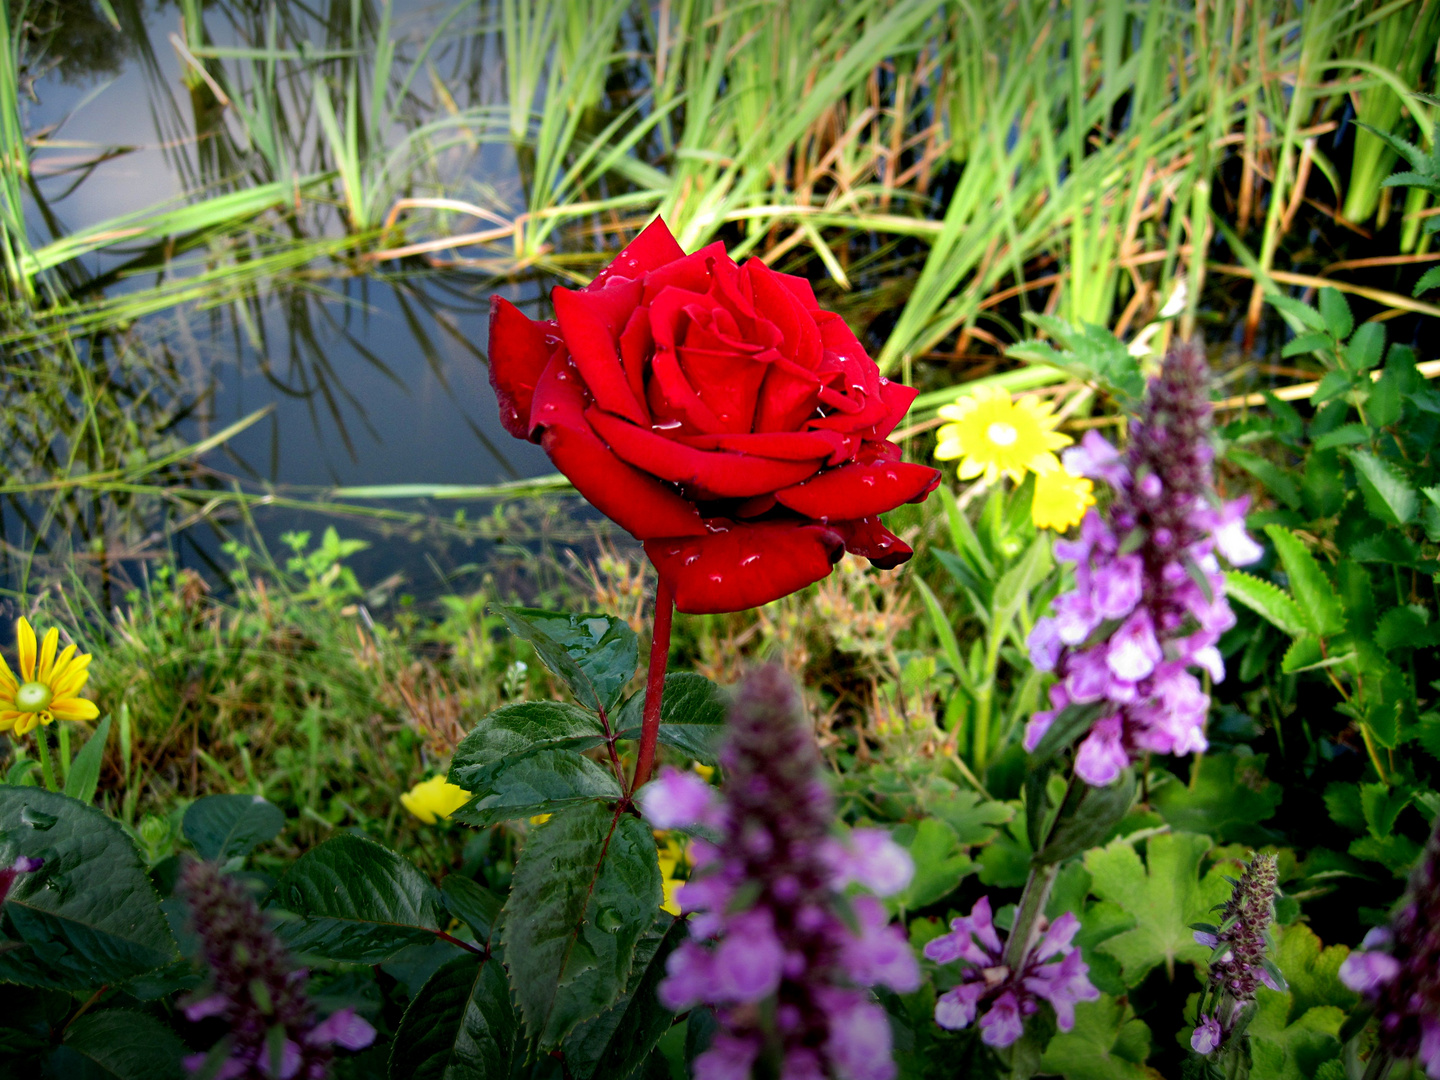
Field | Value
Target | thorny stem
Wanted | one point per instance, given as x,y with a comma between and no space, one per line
46,769
654,684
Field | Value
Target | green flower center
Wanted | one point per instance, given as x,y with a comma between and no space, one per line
33,697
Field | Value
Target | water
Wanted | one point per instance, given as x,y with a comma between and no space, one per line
370,379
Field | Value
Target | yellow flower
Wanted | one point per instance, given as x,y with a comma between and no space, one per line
672,858
992,434
435,798
49,686
1060,499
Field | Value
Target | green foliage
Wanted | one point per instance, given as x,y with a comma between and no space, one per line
1227,798
594,654
1107,1043
224,827
460,1026
692,716
127,1045
1164,894
586,887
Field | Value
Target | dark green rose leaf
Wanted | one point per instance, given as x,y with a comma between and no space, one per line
224,826
541,784
89,915
614,1043
595,654
512,732
460,1026
692,715
473,904
127,1045
1227,799
586,887
358,902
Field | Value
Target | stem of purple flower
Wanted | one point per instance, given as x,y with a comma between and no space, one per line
1379,1066
654,684
1027,915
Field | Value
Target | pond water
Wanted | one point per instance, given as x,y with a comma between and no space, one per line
370,379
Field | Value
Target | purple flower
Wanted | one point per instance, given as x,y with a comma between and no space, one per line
22,865
872,860
679,800
1206,1036
1397,969
765,906
1238,967
1127,634
1051,969
255,988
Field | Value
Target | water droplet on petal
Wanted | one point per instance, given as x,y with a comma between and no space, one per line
749,559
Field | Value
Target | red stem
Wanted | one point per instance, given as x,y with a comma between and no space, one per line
654,684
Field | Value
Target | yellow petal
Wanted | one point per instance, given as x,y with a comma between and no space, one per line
47,655
75,708
69,683
413,805
8,683
58,669
26,723
25,641
8,718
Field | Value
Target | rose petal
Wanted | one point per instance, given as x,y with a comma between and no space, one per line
638,503
777,302
897,398
867,537
591,322
705,473
786,445
691,272
856,490
801,288
741,566
653,248
518,354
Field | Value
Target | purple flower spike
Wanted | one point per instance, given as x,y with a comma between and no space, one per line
256,988
1397,969
1146,577
767,936
1238,968
1052,970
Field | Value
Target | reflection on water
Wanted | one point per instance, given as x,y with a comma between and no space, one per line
370,379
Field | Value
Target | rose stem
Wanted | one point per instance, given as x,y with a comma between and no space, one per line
654,684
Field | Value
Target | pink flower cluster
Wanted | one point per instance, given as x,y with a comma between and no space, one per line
767,913
1238,967
1052,969
1149,599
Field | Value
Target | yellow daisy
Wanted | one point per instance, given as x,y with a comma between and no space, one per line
991,434
434,799
49,686
1060,499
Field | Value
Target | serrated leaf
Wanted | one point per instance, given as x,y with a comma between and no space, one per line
512,732
1344,435
1304,652
1227,798
1106,1043
1428,280
940,864
460,1026
973,819
1302,313
359,903
1381,805
692,716
473,904
1292,1051
1388,494
586,886
1335,310
1267,600
1404,628
1277,481
1384,547
89,915
1091,353
1313,342
595,654
84,776
222,827
1332,384
1312,591
127,1045
539,784
616,1042
1164,893
1365,350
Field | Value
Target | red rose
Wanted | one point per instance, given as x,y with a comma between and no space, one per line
715,412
